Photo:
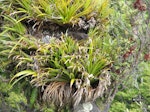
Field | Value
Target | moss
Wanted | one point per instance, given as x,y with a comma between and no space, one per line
15,99
118,107
4,87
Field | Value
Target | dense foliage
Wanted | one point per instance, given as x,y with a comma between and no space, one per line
55,56
134,97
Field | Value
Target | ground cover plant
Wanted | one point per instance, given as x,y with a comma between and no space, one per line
58,56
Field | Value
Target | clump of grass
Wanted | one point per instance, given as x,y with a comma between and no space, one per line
77,66
51,10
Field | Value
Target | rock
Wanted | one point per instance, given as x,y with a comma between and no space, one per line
87,107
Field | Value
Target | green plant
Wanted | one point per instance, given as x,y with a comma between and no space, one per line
11,100
63,70
63,60
73,64
51,10
135,98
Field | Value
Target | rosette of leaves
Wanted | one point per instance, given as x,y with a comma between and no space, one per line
69,71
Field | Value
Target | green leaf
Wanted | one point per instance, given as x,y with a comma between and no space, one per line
22,75
71,82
